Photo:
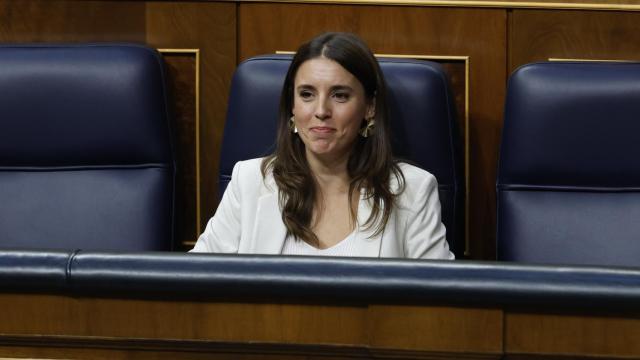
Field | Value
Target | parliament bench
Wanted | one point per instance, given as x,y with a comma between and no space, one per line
77,304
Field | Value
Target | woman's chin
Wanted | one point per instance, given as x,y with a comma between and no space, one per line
327,153
321,152
321,146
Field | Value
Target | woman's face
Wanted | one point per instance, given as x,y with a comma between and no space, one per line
329,106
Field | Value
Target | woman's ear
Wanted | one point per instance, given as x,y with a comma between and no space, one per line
371,109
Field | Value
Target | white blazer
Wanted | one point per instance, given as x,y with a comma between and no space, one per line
249,220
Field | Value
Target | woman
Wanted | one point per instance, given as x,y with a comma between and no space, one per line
332,186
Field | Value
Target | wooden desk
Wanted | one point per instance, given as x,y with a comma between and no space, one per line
167,306
49,326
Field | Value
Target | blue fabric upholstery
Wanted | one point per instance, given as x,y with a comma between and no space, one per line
85,152
569,180
422,114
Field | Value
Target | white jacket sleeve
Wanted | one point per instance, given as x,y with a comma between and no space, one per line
223,230
426,235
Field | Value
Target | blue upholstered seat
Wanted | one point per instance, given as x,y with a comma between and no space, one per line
569,177
85,153
422,115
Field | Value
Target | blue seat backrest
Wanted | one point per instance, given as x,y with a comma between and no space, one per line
569,177
423,122
85,151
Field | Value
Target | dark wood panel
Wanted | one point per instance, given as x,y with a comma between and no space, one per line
458,77
607,337
182,75
114,350
537,35
52,326
60,326
477,33
466,331
71,21
211,321
211,28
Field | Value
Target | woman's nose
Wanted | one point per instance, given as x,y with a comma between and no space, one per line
323,109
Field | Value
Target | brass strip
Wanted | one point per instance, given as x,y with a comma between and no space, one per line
467,154
470,3
196,53
467,181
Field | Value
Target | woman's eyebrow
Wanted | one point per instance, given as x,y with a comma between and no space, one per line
305,87
333,88
341,87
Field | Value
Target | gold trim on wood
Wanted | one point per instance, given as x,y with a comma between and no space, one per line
469,4
196,53
467,181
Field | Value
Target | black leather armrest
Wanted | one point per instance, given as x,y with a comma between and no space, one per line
203,276
40,271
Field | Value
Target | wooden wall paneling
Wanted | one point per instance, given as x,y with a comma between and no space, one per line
182,69
55,326
69,327
458,77
549,336
210,28
205,321
71,21
537,35
477,33
123,351
459,332
39,347
223,330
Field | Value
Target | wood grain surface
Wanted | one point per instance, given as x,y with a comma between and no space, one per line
537,35
296,329
573,335
211,28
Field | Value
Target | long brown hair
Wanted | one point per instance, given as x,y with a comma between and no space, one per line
370,165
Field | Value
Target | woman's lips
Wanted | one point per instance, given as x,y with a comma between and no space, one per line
322,129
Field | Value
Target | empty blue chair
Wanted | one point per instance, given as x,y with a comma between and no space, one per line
569,176
423,122
85,152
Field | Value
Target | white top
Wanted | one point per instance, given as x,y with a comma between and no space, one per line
249,219
350,246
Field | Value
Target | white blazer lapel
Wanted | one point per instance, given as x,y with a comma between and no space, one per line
371,244
269,231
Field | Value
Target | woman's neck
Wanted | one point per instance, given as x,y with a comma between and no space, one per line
331,174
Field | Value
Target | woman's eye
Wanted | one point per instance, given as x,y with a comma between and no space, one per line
305,95
341,96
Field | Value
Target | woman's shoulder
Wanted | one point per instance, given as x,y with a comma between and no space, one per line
415,176
252,165
413,172
248,172
417,182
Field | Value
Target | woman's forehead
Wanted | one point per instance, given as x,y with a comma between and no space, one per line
322,71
